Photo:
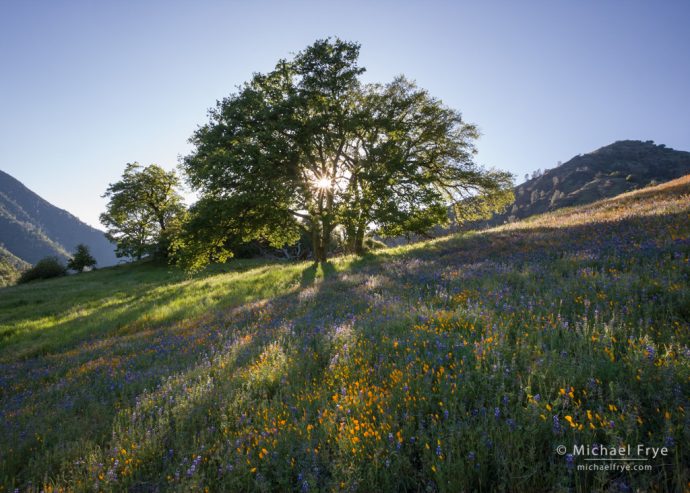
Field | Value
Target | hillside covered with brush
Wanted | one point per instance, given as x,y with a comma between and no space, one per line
617,168
10,267
459,364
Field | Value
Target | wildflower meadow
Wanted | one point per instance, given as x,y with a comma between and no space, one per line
458,364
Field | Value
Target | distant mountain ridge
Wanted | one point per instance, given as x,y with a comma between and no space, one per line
32,228
620,167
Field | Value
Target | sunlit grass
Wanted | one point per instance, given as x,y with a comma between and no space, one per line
458,364
42,317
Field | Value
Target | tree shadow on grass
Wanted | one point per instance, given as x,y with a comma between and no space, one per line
309,275
385,289
327,269
324,270
372,295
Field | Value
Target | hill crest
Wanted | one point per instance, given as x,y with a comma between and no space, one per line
609,171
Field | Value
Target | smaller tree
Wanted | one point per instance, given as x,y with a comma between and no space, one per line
81,259
144,210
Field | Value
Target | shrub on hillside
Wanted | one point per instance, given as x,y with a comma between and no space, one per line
81,259
8,273
373,244
44,269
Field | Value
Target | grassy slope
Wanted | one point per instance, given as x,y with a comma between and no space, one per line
455,364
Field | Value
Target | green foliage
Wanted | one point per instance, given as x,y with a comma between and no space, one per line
44,269
416,161
373,244
10,267
8,273
215,227
81,259
307,148
144,211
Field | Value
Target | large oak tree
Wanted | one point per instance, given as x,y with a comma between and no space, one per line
308,148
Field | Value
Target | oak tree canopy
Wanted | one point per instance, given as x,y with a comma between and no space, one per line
308,149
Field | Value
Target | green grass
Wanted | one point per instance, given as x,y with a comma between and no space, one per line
458,364
42,317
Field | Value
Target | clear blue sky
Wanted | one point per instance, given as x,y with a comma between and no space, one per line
86,87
